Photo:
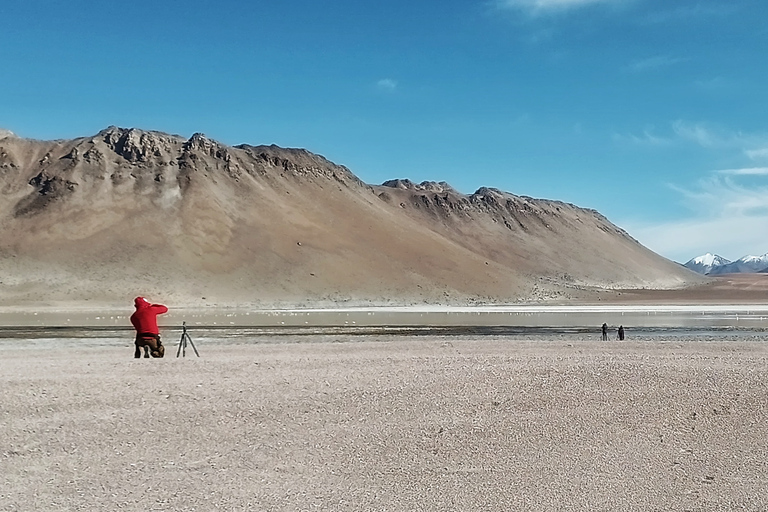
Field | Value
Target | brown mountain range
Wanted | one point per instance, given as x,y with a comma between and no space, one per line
191,221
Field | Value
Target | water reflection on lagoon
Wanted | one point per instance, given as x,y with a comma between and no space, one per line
744,316
228,326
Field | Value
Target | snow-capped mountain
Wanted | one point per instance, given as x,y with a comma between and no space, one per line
705,263
747,264
714,265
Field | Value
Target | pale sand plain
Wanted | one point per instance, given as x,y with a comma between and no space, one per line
389,423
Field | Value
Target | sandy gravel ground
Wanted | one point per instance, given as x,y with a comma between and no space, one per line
395,424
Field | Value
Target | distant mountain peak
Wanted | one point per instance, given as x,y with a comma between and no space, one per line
713,264
5,134
754,259
711,259
706,263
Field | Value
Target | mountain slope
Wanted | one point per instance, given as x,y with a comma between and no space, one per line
132,212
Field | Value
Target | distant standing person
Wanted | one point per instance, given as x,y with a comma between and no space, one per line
621,333
144,320
605,332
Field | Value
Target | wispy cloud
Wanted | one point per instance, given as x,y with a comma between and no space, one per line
757,153
727,217
727,208
691,12
652,63
721,195
747,171
548,6
731,237
753,145
698,133
648,137
387,84
714,84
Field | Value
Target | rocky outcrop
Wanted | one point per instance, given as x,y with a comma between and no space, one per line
425,186
138,145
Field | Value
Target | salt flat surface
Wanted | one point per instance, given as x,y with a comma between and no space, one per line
554,422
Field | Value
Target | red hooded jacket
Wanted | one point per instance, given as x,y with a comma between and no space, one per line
144,319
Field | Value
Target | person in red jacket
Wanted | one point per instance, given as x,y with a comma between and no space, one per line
144,320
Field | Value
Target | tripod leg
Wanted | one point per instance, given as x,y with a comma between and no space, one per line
178,351
193,346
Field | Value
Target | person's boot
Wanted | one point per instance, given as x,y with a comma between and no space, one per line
160,352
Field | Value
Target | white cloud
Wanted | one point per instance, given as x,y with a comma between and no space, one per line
747,171
651,63
692,11
647,138
728,209
727,218
546,6
754,146
697,133
717,83
387,84
718,196
550,4
730,237
710,136
757,153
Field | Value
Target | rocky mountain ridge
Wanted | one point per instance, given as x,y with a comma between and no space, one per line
130,211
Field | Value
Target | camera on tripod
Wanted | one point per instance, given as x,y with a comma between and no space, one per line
185,338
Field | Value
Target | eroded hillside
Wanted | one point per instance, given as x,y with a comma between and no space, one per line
130,212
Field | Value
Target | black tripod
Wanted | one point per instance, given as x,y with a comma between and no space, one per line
183,342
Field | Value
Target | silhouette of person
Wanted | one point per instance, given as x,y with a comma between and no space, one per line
144,320
605,332
621,333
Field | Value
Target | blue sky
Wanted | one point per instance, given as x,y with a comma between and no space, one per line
653,112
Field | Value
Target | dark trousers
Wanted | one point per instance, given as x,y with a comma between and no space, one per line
151,343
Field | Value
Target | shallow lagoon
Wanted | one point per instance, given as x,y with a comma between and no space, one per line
58,329
673,316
